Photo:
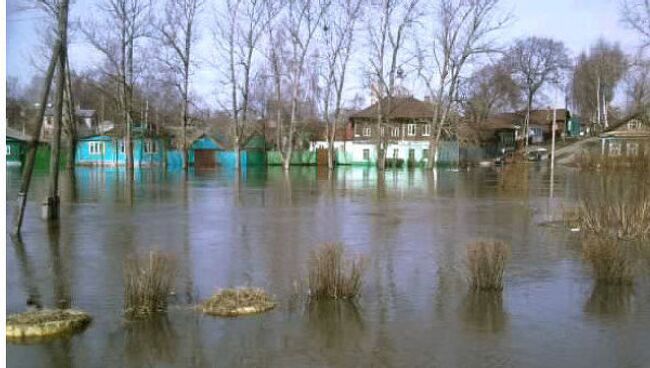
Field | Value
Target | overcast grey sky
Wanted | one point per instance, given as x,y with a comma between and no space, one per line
578,23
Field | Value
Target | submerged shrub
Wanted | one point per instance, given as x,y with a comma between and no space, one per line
486,262
621,215
596,161
333,276
237,302
147,283
610,263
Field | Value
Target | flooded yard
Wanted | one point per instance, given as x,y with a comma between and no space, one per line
411,226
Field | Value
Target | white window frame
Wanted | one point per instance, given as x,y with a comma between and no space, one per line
149,146
614,149
411,130
8,150
96,148
632,149
366,154
426,130
366,131
395,132
395,152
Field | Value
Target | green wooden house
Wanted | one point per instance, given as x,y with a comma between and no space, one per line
17,143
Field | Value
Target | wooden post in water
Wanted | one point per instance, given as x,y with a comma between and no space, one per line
19,210
51,204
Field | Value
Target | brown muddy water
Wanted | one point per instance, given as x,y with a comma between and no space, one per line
412,226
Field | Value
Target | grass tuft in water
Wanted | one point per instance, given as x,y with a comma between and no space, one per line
620,215
486,261
610,263
148,282
331,275
596,161
237,302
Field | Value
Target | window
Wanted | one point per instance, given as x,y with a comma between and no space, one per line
395,132
96,148
149,146
366,131
8,150
122,144
614,149
410,130
366,154
356,130
425,154
632,149
395,152
426,130
383,131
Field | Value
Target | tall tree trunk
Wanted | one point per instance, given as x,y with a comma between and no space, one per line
527,123
72,124
128,92
52,209
21,201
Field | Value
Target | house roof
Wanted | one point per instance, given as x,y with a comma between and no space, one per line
79,112
540,118
17,135
400,108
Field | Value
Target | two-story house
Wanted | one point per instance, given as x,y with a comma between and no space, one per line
405,131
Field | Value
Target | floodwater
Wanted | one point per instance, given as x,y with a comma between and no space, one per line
411,226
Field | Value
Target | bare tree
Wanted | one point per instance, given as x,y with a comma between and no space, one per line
535,62
178,33
303,17
337,37
240,30
387,32
636,14
462,32
637,87
488,90
116,36
595,78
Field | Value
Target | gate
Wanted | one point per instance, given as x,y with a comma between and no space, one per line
321,156
205,159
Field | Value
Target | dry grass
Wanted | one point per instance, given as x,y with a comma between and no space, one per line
609,260
624,216
148,282
237,302
596,161
486,262
331,275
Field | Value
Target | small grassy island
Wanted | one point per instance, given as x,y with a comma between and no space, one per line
45,323
238,302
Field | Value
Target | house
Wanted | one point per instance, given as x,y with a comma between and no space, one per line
407,134
108,149
629,137
209,152
17,143
86,122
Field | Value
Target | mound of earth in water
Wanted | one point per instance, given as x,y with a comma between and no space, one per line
40,324
238,302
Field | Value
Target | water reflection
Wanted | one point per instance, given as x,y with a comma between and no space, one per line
338,323
149,341
484,311
27,274
610,300
62,294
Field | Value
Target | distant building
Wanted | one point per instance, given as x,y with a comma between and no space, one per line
630,137
85,119
407,135
16,147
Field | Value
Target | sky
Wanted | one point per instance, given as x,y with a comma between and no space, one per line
578,23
